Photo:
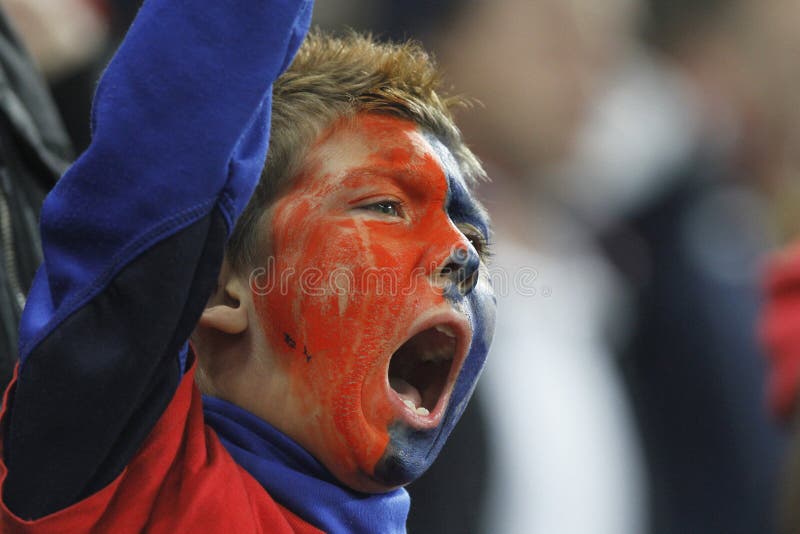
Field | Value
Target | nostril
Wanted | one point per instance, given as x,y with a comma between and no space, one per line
459,271
450,270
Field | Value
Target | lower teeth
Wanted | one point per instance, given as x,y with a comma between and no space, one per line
419,411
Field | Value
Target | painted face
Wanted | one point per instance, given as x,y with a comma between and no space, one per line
377,303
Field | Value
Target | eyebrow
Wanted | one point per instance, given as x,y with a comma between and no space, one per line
377,171
401,177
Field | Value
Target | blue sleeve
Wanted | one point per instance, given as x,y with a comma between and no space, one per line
133,236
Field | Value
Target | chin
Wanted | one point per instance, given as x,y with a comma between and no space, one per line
363,482
406,457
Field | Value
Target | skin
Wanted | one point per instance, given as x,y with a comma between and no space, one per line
309,353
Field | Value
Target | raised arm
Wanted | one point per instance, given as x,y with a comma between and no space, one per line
133,237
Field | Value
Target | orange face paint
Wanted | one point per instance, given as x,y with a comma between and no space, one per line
357,241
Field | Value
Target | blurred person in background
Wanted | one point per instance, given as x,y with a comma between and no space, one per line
34,151
773,46
70,41
61,35
681,153
781,334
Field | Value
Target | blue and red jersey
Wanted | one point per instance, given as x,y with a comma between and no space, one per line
182,479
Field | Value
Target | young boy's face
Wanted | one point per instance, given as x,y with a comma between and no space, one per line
376,305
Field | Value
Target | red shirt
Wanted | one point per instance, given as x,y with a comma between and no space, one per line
780,330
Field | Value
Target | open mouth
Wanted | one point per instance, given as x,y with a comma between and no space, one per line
420,369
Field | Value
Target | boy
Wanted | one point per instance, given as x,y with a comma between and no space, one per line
342,334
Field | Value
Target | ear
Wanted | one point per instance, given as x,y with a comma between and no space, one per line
226,311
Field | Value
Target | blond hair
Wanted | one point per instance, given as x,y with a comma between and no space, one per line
336,77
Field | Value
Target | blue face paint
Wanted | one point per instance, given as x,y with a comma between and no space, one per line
410,451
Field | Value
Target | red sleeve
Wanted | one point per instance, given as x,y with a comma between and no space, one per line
780,329
181,480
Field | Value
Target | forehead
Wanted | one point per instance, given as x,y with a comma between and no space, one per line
369,140
373,147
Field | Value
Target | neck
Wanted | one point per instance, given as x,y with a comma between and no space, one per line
292,476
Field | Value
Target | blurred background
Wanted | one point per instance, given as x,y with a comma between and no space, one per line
644,157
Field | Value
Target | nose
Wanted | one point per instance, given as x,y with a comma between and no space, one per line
459,272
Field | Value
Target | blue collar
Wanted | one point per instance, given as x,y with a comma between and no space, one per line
299,482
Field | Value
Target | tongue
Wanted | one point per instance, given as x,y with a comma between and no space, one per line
406,391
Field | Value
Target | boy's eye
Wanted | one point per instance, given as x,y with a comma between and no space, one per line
385,207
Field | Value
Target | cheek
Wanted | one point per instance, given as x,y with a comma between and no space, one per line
322,312
310,309
484,312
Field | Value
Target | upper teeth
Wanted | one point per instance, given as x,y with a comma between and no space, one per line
446,330
439,354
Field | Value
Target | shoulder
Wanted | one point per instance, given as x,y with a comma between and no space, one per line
181,480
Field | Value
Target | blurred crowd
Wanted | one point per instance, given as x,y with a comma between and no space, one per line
644,157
